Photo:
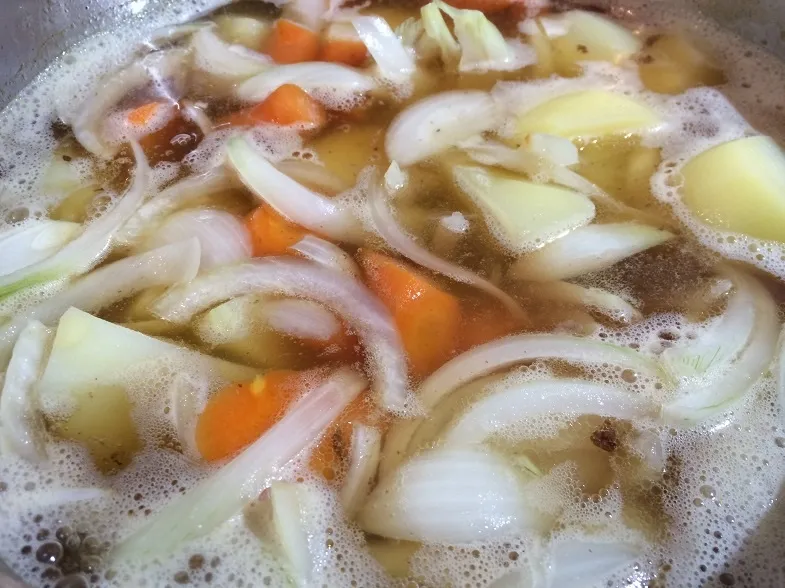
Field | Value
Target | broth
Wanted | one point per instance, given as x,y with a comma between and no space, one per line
628,432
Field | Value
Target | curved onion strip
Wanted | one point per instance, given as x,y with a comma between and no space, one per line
395,63
587,249
188,192
724,385
165,266
396,443
606,303
450,496
225,492
187,400
21,422
438,123
290,504
506,411
365,448
214,56
391,232
327,254
293,277
294,201
33,242
196,114
335,84
83,252
159,67
301,319
314,175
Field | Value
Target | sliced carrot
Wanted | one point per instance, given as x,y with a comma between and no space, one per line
287,105
143,115
272,233
484,322
347,51
238,414
428,318
291,42
172,142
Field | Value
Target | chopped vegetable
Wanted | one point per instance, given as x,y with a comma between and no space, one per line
291,42
240,413
142,116
32,242
243,30
427,318
606,303
343,45
232,62
290,105
395,63
326,254
592,37
755,167
485,322
291,504
365,448
271,233
438,34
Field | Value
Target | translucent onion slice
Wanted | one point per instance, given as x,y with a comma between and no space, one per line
235,62
450,496
346,297
396,237
364,461
33,242
395,63
587,249
506,412
314,175
327,254
438,123
165,266
21,425
717,389
606,303
225,492
289,502
301,319
167,67
294,201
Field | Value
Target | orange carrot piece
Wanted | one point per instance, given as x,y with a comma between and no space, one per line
289,105
348,51
143,115
238,414
485,322
272,233
291,42
428,319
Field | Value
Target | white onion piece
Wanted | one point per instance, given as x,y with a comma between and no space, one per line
394,235
718,389
86,250
195,113
365,449
187,399
164,66
185,193
450,496
395,63
606,303
313,175
20,420
396,442
438,123
225,492
311,13
347,297
557,150
235,62
506,412
222,237
301,319
33,242
289,502
327,254
168,265
294,201
336,85
587,249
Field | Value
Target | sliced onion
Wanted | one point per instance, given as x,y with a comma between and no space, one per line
187,399
346,297
606,303
235,62
168,265
33,242
438,123
289,502
164,66
294,201
506,412
313,175
224,493
311,13
185,193
222,237
301,319
450,496
195,113
336,85
587,249
365,449
22,427
394,235
716,390
83,252
327,254
395,63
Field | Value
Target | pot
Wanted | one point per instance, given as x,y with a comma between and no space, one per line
34,32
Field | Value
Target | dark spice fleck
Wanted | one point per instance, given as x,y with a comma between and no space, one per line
583,49
606,437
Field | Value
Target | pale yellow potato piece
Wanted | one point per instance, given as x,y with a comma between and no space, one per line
243,30
587,114
672,65
591,37
739,186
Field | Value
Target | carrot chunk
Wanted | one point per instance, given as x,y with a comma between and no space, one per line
238,414
143,115
287,105
271,232
428,318
484,322
291,42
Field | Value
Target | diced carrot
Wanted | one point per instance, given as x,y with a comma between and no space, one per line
172,142
484,322
347,51
291,42
143,115
287,105
272,233
238,414
428,319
